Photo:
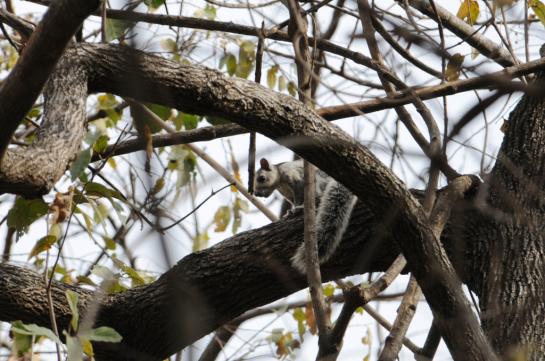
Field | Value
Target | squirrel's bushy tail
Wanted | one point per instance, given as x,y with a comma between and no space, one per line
334,212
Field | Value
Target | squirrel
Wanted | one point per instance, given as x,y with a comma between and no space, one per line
334,202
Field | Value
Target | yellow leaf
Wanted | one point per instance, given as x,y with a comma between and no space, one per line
539,9
159,184
111,162
453,67
87,347
222,218
200,241
468,11
107,101
329,289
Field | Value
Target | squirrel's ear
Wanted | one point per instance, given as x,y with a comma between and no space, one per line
264,164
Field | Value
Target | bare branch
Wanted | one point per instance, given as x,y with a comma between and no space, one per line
466,32
405,314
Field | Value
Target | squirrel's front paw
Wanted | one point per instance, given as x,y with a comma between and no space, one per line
293,211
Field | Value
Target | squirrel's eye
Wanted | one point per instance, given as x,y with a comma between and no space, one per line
261,178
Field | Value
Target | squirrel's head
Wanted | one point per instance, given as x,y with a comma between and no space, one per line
266,179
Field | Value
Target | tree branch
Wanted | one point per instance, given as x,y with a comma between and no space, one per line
282,118
203,291
46,45
465,32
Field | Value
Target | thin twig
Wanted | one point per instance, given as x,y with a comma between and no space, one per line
257,79
405,313
215,165
213,193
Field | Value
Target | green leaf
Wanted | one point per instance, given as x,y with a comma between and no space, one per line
158,186
246,58
190,121
84,280
154,4
329,290
97,189
217,120
25,212
230,61
104,334
282,83
72,298
271,76
103,272
114,115
101,144
292,89
160,110
210,12
109,243
100,213
80,164
43,244
91,137
75,351
34,112
169,45
141,119
300,317
106,101
21,344
136,279
116,28
33,330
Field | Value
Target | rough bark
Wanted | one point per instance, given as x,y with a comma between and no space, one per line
38,177
204,290
508,236
194,89
284,119
34,169
46,45
507,232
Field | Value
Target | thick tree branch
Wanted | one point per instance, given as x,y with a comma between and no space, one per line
489,81
45,47
204,290
34,170
284,119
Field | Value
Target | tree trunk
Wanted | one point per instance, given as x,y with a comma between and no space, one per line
507,241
